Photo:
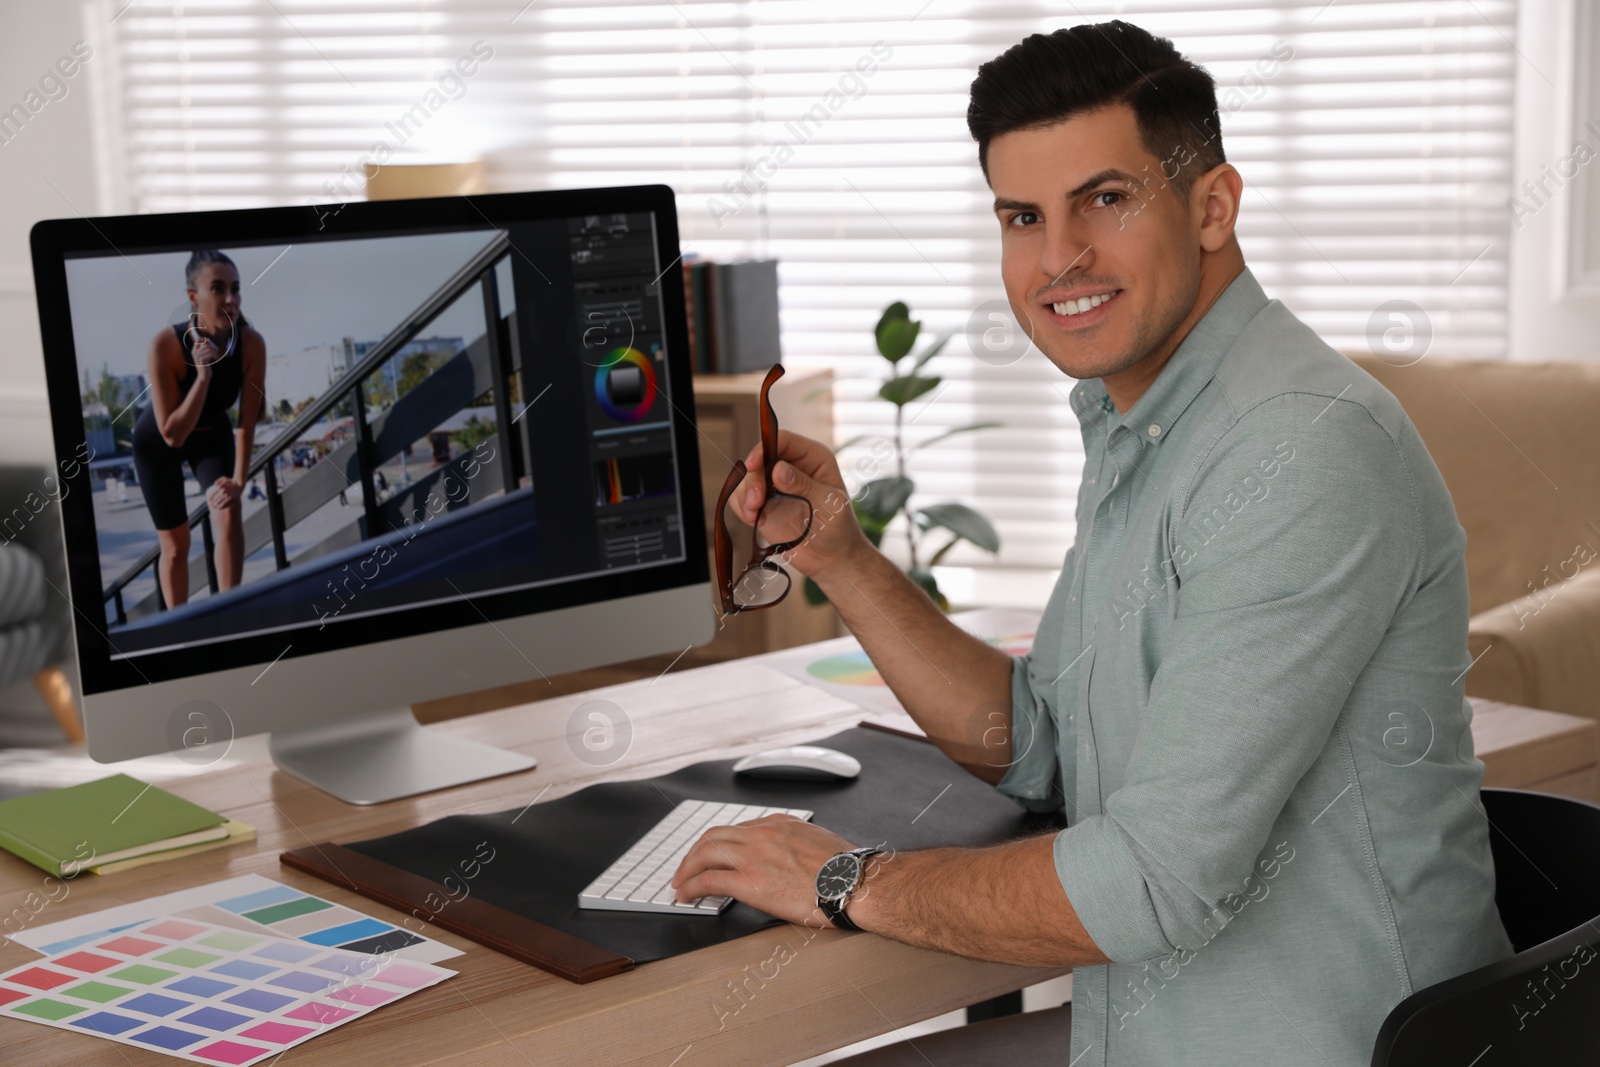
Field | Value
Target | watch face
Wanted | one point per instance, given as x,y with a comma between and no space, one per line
838,877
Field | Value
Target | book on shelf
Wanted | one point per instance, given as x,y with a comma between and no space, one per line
732,309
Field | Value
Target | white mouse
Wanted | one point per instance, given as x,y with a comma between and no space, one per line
799,762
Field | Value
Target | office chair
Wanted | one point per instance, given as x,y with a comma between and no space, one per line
1543,1004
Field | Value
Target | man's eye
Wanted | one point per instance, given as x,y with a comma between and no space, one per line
1024,218
1099,199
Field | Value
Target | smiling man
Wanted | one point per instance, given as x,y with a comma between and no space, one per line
1245,695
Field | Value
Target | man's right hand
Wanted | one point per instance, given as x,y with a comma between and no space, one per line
804,468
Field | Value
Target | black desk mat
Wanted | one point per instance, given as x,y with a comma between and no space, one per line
909,795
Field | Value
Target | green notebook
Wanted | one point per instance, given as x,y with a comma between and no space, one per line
65,830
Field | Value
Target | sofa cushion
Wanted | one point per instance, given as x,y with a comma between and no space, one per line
1540,650
1518,445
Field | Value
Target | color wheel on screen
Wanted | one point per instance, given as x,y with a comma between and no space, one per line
854,668
625,385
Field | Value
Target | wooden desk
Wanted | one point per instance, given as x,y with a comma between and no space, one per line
836,989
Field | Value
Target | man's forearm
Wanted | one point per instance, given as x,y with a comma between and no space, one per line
1003,903
956,686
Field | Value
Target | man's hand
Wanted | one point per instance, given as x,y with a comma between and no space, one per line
223,492
803,468
770,863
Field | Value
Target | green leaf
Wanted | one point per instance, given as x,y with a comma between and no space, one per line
962,521
814,593
951,433
896,332
931,351
930,585
906,388
882,498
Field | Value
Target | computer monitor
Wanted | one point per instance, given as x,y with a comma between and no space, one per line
472,462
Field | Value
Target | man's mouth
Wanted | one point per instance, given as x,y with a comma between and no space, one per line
1083,304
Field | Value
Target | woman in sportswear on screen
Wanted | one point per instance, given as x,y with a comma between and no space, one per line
198,370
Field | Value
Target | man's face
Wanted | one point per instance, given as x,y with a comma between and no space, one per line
1086,211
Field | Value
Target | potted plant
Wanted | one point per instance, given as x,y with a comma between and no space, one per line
881,501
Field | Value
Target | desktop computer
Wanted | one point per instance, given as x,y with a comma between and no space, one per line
321,463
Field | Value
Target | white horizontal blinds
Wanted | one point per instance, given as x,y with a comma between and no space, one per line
1374,138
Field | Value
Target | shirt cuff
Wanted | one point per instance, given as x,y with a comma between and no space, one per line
1108,891
1031,778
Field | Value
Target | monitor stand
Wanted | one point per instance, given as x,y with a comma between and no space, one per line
387,755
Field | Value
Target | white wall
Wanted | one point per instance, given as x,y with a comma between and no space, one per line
1547,320
54,148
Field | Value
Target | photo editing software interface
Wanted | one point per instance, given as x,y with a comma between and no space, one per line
430,416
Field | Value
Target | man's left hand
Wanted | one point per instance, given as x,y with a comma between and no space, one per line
770,863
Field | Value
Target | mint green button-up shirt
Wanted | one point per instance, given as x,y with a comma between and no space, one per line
1246,693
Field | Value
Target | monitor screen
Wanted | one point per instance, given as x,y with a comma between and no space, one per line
300,431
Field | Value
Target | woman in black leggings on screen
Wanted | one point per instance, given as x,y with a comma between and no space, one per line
198,370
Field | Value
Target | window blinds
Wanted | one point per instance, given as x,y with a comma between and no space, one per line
1374,139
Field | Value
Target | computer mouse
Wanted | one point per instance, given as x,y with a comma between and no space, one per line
799,763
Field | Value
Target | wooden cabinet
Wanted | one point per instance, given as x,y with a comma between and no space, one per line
727,416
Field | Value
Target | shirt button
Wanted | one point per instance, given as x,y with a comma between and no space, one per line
1155,429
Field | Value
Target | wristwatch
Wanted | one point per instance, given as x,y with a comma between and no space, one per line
838,879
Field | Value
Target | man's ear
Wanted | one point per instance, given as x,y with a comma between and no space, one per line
1214,204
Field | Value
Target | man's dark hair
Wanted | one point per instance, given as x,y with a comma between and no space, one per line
1047,78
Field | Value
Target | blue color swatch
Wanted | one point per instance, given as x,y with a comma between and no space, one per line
242,969
156,1004
301,981
167,1037
286,951
105,1022
251,901
215,1019
338,935
196,986
258,1000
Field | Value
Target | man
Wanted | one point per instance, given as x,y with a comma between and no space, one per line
1245,694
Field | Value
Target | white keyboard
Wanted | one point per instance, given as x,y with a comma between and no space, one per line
642,879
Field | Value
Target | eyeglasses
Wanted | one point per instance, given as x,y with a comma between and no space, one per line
763,582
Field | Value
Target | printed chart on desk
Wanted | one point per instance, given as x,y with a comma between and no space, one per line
205,992
843,669
251,904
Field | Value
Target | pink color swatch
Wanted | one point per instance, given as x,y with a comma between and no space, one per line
277,1033
130,946
363,994
400,974
174,929
86,961
40,978
319,1013
230,1052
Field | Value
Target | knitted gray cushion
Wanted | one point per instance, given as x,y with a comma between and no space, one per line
26,643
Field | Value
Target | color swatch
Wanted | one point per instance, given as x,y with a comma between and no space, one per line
208,993
246,906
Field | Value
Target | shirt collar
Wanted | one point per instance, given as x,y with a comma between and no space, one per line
1189,370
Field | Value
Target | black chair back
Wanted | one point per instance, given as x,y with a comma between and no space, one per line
1543,1004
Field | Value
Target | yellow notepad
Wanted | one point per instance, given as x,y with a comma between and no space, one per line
237,831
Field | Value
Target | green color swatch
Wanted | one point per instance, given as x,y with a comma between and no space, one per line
187,957
229,940
138,972
99,992
287,910
47,1009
